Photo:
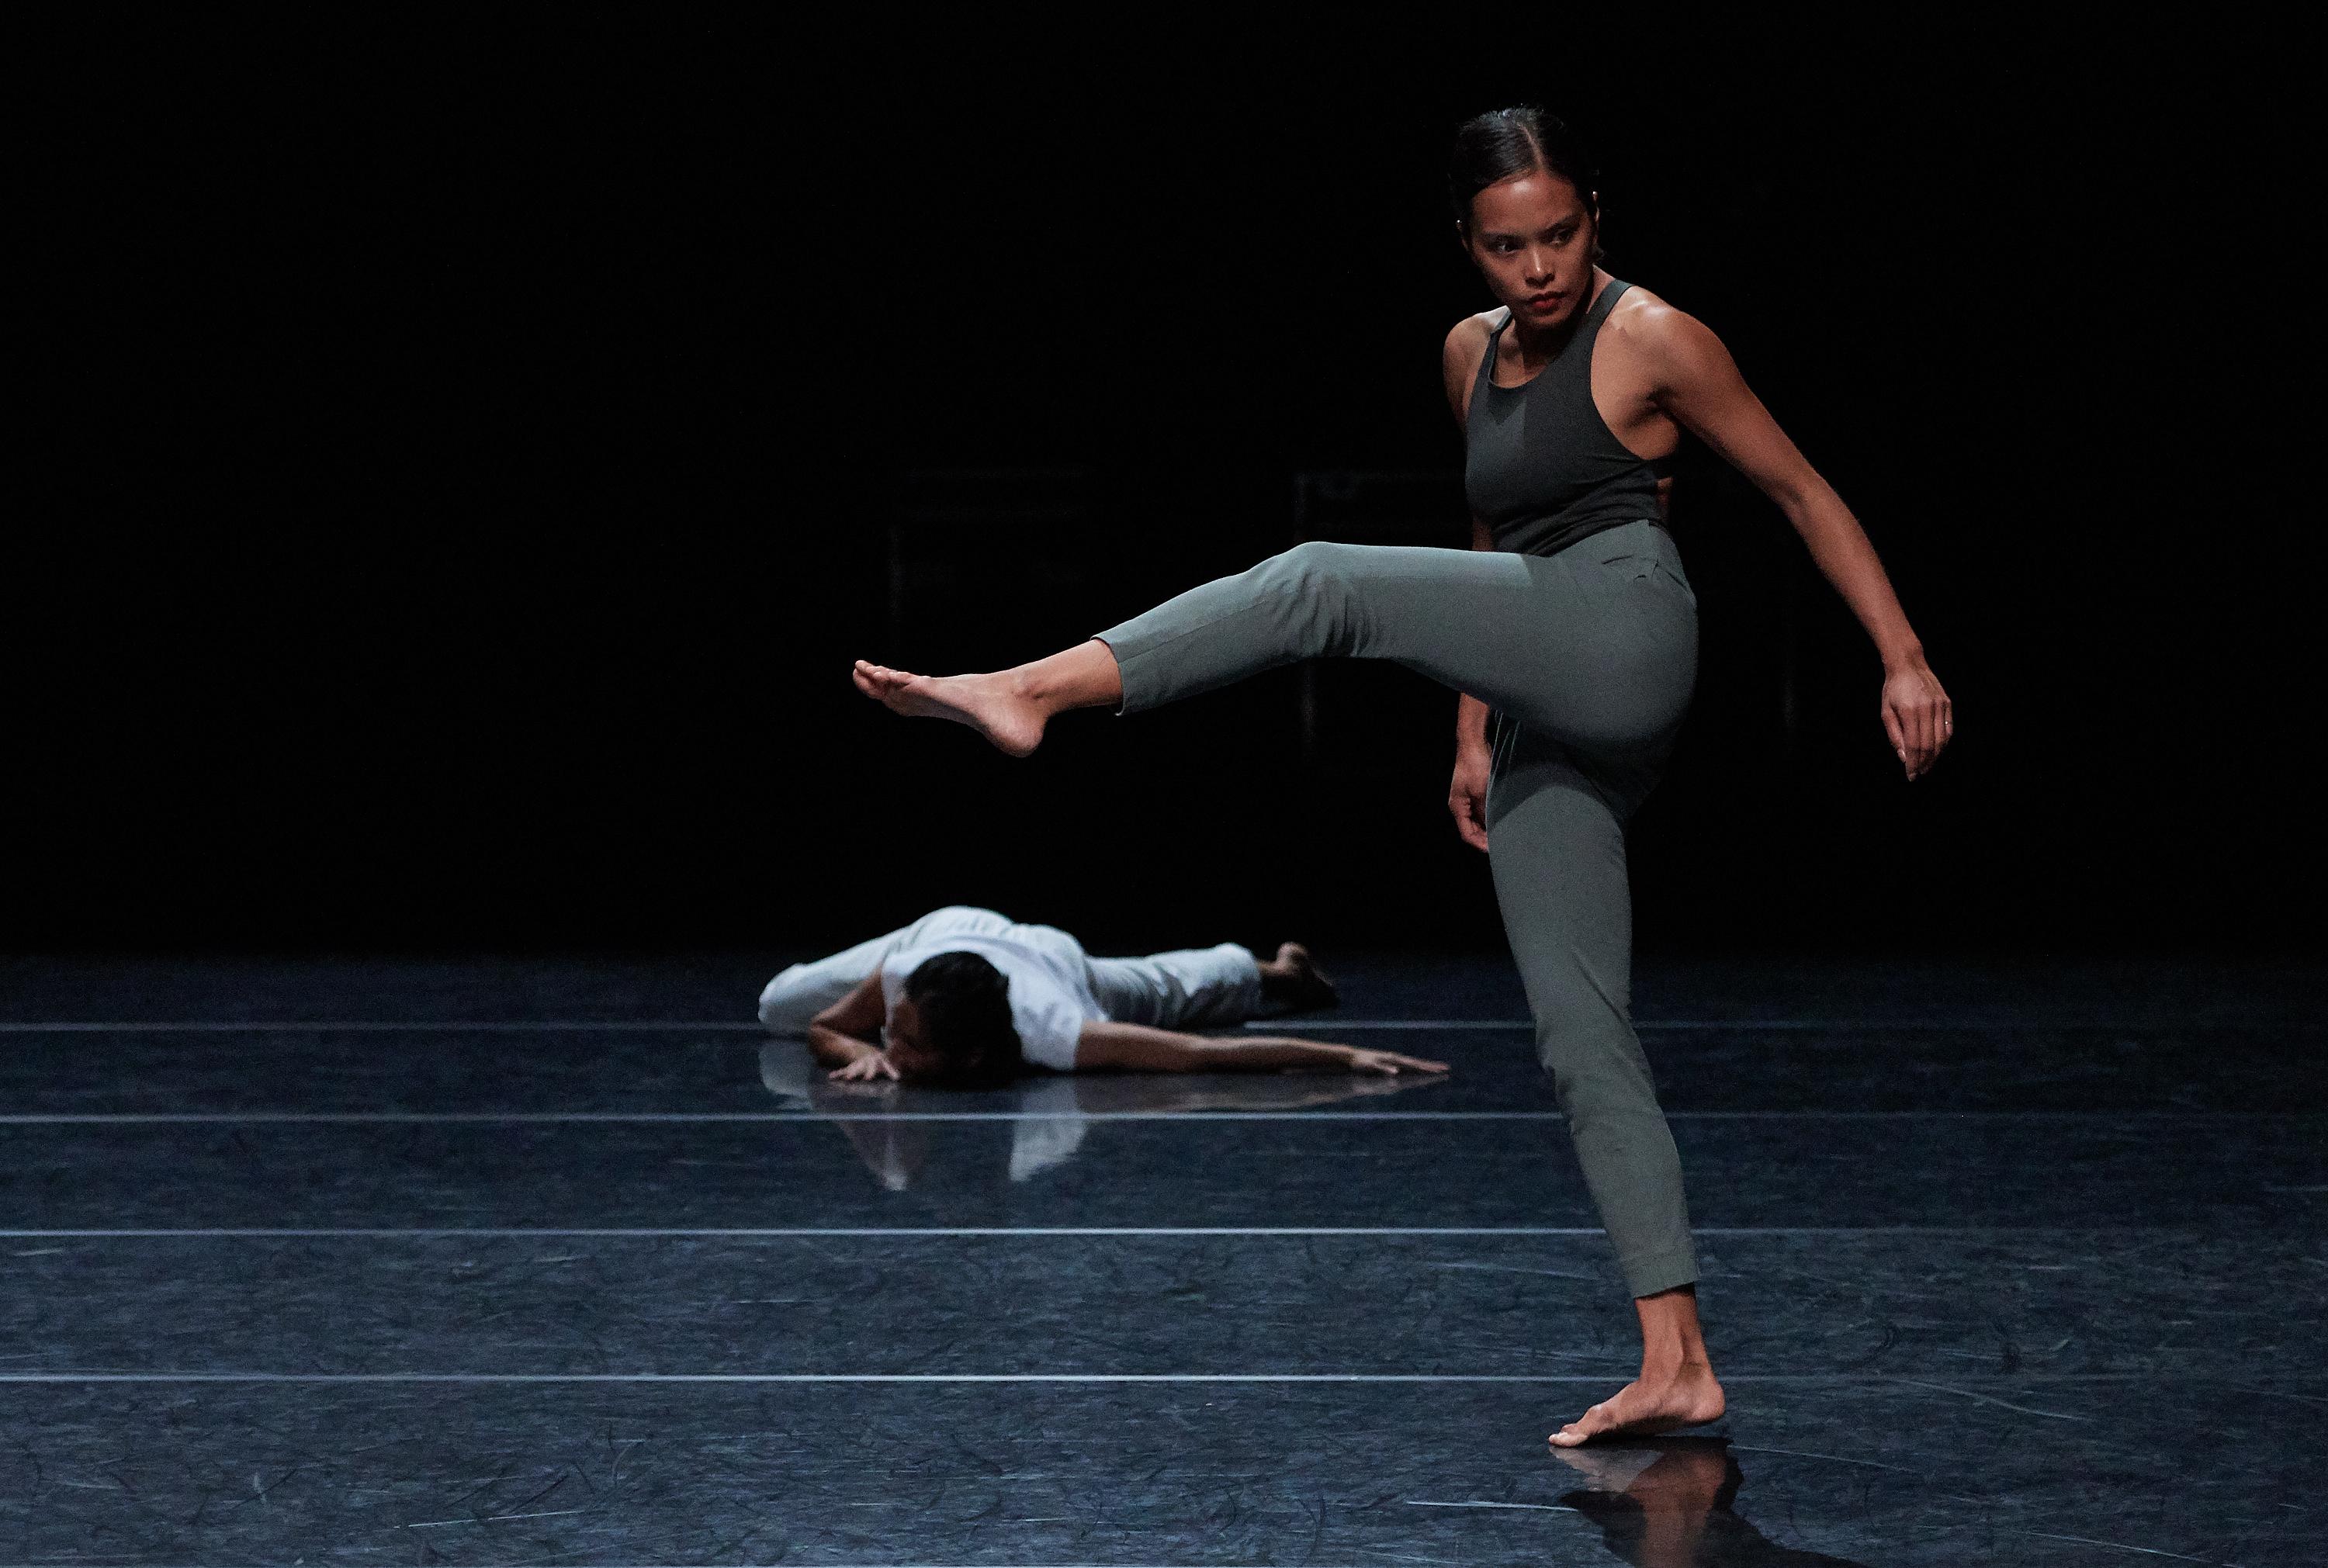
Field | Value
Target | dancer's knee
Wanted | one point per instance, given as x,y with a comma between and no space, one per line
1315,581
1312,560
1593,1065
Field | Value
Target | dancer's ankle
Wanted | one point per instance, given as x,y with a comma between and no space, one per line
1667,1353
1664,1365
1032,683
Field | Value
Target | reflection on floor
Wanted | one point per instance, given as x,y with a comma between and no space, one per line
508,1263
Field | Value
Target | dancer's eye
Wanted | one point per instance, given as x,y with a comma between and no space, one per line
1558,236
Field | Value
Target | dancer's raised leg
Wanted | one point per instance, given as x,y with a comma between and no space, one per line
1559,644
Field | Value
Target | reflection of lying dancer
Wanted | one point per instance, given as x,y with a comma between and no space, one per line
1055,1112
967,996
1572,620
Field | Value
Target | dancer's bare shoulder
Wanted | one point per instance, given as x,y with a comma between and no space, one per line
1654,341
1467,345
1671,369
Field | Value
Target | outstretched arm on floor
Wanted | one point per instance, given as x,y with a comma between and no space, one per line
1104,1044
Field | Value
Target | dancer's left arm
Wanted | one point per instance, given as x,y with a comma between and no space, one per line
1699,385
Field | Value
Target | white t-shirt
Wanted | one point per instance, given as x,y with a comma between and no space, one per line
1042,965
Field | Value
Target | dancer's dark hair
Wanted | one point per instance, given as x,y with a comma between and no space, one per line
1519,140
963,1003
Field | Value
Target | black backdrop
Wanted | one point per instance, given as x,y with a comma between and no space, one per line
457,459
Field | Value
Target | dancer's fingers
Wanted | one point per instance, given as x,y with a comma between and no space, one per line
1469,826
1899,741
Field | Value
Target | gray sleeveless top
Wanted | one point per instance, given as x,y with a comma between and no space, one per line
1541,467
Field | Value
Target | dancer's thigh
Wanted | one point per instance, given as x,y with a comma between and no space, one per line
1581,650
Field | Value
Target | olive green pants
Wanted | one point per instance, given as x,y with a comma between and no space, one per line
1588,659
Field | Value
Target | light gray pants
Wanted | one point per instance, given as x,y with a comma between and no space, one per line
1589,660
1185,987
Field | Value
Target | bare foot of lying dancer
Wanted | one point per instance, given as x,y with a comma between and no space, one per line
1291,979
1676,1387
1009,707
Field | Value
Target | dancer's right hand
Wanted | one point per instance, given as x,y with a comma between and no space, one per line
1365,1061
1466,797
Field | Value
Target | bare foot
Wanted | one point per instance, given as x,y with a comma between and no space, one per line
1651,1404
989,704
1292,980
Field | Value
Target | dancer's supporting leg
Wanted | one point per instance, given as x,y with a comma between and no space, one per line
1595,649
1556,851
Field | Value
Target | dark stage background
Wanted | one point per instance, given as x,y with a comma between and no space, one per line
459,459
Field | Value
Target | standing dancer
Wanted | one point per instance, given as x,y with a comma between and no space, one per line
1572,620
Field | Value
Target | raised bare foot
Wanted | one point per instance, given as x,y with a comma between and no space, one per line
1686,1396
1295,977
989,704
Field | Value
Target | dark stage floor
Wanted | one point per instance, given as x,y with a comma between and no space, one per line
534,1263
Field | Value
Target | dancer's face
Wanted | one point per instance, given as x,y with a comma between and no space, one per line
1531,235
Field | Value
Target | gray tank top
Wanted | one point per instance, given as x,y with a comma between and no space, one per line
1541,467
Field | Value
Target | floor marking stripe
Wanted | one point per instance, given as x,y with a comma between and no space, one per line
751,1233
653,1118
1270,1025
377,1025
1805,1378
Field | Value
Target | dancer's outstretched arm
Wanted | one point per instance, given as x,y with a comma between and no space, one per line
1009,707
1136,1047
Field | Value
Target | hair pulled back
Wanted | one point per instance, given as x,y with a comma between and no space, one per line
1519,140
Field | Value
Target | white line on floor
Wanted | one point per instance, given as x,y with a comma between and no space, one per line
1268,1026
92,1233
1808,1378
651,1118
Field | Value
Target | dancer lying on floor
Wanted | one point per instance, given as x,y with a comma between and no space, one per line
969,997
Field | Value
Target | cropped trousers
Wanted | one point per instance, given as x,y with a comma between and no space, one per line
1587,659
